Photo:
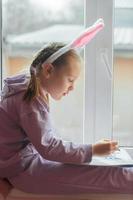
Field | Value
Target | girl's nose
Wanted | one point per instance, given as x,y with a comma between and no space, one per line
71,87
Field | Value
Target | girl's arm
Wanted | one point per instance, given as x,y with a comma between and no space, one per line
37,126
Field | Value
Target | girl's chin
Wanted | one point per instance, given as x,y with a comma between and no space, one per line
57,98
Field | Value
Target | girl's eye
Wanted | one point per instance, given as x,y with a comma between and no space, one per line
70,80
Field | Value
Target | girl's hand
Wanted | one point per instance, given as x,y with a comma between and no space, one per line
104,147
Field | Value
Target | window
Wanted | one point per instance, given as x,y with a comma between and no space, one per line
25,31
102,104
109,73
123,72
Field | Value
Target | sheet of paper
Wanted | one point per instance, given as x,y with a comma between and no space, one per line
118,158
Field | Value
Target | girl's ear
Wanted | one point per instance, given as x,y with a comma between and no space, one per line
48,70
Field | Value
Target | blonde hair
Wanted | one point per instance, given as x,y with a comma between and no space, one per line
33,87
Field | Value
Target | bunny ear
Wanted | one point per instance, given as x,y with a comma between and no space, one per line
79,42
87,35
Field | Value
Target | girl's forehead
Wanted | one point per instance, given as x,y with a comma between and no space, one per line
72,68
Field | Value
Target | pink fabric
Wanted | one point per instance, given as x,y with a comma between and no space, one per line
48,177
87,36
22,124
5,188
35,161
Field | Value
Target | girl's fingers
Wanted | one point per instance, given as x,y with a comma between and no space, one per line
105,147
114,143
106,140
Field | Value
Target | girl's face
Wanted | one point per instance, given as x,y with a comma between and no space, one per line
59,82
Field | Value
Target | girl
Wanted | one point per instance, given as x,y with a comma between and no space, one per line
31,157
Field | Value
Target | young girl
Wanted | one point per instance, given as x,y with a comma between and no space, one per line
31,157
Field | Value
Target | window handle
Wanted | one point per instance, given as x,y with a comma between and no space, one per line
104,58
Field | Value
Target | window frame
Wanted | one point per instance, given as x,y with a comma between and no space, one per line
98,107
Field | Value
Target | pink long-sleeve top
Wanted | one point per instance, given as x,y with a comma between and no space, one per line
23,124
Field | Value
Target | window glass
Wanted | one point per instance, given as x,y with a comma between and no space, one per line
123,72
27,26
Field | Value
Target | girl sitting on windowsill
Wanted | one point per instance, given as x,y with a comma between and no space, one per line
31,157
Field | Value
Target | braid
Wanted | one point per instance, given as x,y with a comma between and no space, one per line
32,90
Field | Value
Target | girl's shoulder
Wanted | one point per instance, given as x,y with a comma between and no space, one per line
37,105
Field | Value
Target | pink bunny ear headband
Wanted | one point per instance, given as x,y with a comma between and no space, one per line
85,37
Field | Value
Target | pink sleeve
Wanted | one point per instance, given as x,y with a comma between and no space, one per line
37,126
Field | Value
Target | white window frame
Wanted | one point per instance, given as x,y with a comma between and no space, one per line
98,72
